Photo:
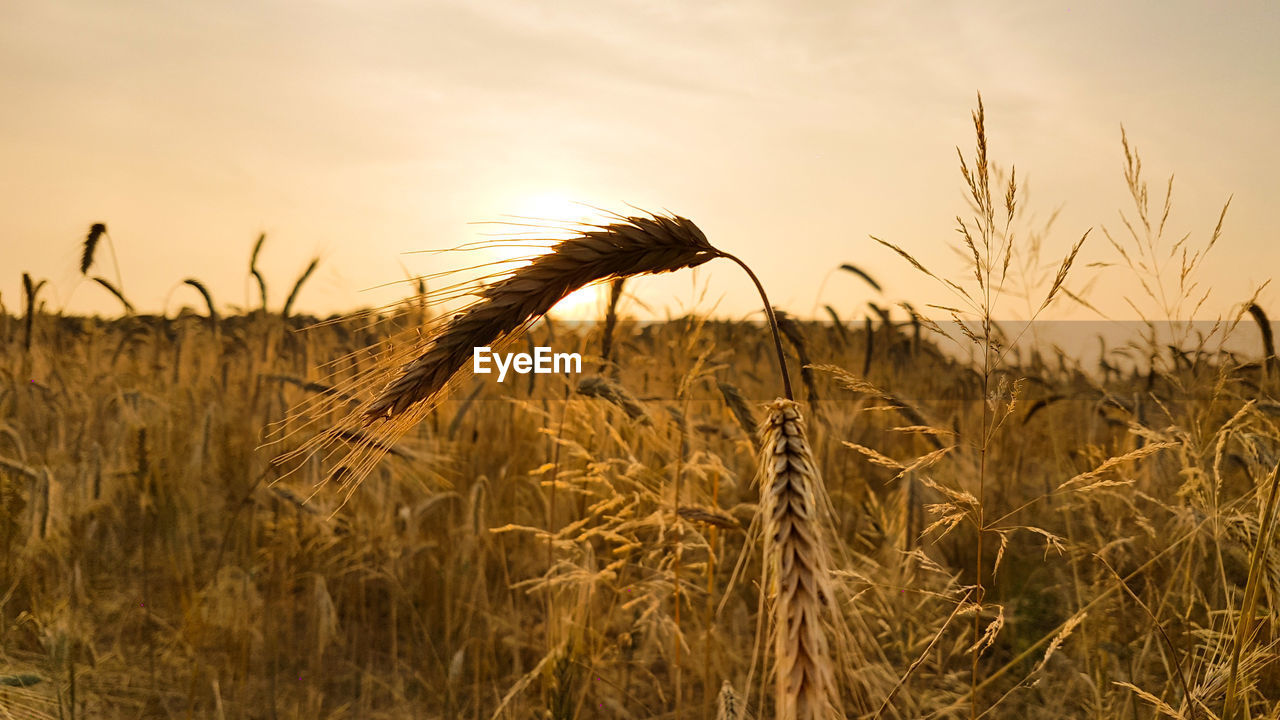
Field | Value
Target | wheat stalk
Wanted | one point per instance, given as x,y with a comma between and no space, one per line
796,557
634,246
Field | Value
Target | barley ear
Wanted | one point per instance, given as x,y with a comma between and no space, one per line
796,567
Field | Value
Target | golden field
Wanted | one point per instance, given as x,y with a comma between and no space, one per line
1018,536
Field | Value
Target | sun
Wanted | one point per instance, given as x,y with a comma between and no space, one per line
552,208
555,215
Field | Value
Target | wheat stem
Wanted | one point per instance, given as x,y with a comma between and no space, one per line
773,324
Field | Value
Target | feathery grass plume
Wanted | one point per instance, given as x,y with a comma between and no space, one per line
253,269
90,245
862,274
128,306
297,287
614,392
204,293
30,290
797,566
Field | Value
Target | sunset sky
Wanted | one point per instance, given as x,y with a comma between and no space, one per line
362,131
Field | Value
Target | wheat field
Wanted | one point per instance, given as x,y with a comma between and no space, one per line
261,515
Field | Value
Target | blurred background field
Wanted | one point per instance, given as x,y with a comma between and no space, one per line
523,546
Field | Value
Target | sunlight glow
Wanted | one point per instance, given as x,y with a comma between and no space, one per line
552,216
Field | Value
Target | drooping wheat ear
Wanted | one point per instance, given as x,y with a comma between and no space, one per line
414,378
128,306
616,393
208,298
862,274
297,287
1268,341
796,567
90,245
633,246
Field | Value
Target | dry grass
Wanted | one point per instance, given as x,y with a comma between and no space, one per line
529,551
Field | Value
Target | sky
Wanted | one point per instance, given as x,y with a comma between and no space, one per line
790,132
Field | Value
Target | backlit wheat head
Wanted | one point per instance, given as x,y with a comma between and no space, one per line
410,381
796,566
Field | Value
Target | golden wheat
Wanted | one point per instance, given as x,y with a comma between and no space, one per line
797,565
634,246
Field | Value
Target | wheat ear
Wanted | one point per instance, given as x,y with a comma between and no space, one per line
633,246
90,245
728,704
796,557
